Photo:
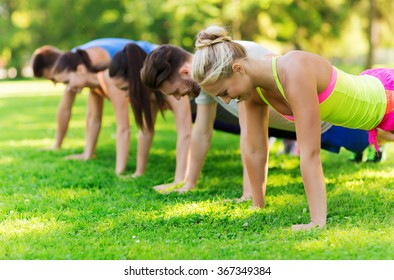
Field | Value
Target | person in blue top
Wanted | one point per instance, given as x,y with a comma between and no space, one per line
111,45
85,66
100,52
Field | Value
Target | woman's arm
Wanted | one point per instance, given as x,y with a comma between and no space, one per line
301,91
246,188
93,125
256,149
120,104
145,139
63,117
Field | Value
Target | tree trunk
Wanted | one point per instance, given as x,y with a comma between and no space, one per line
236,23
373,34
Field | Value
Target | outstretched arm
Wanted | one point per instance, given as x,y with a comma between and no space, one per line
183,123
302,96
63,117
385,136
120,104
145,138
200,142
246,191
256,150
93,125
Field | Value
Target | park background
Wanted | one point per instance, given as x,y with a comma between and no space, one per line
51,208
353,32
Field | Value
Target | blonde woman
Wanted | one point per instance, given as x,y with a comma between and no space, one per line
301,86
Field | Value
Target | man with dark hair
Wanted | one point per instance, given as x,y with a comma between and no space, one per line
100,52
168,69
43,60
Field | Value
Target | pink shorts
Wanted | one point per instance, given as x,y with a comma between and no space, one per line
386,76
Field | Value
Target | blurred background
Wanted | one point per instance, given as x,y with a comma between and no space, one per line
353,34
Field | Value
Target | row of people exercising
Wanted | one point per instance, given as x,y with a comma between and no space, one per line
112,67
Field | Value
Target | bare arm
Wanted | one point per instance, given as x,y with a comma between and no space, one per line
256,150
384,136
183,122
93,125
63,117
145,138
302,96
200,142
120,104
247,192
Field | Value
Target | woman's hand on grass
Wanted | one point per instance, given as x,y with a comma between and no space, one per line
240,199
162,187
79,157
179,187
129,176
309,226
185,188
54,147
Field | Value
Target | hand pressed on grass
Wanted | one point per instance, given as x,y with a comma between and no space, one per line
79,157
311,225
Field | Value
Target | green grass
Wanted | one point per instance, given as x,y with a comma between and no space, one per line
51,208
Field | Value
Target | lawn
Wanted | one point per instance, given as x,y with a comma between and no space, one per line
51,208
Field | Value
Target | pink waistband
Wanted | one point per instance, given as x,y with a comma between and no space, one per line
387,123
329,89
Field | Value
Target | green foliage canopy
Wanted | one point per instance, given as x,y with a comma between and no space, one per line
310,25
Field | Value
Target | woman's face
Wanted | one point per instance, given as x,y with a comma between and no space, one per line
75,81
120,83
237,86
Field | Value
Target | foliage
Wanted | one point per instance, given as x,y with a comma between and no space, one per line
312,25
51,208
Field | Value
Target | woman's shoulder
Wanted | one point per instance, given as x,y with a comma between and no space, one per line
297,54
303,59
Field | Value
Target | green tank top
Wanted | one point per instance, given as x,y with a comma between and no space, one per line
355,102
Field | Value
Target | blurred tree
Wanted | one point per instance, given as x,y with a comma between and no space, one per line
379,27
372,33
303,24
313,25
7,32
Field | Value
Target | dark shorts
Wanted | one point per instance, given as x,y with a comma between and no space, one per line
354,140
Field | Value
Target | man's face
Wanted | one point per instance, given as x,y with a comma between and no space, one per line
179,87
74,81
47,74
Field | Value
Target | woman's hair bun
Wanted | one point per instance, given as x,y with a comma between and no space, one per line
212,35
